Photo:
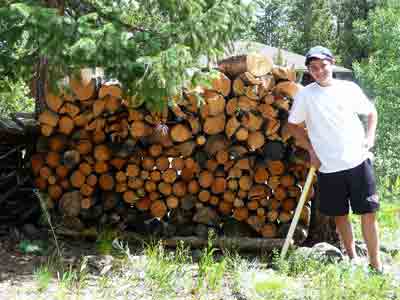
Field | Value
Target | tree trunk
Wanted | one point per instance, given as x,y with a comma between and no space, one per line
322,228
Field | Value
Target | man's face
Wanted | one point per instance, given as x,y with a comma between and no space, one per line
321,71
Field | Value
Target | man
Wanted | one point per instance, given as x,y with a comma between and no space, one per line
339,147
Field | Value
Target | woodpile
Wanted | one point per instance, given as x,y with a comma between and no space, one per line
103,157
19,203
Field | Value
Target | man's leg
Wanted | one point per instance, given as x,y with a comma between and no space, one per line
370,233
343,225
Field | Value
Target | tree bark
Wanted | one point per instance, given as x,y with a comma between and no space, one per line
322,228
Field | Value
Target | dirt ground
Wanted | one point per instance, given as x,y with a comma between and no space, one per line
17,267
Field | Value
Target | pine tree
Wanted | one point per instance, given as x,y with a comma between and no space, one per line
148,45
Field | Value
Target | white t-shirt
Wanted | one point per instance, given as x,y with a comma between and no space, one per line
334,128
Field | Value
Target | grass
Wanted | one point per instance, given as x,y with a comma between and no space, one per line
154,272
161,269
158,273
42,277
210,271
388,220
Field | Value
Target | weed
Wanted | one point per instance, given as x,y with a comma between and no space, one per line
272,287
236,267
43,277
210,272
161,269
182,254
74,279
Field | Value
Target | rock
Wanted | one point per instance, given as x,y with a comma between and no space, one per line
100,264
327,252
303,251
323,252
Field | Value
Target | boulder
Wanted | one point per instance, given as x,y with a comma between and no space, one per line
323,252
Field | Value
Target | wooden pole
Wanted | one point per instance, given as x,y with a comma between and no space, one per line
296,216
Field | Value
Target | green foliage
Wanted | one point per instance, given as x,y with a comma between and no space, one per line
295,25
301,24
165,271
273,286
345,282
271,27
389,222
295,264
348,12
76,279
388,216
150,46
380,75
211,271
163,274
14,97
43,277
314,21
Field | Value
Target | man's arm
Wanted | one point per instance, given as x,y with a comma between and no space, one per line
371,128
302,140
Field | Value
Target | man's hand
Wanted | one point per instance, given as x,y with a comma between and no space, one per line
314,160
302,140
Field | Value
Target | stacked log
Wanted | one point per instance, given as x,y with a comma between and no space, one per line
102,156
19,203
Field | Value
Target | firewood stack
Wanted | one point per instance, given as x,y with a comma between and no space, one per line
102,156
19,203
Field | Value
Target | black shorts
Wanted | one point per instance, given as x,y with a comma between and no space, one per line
354,187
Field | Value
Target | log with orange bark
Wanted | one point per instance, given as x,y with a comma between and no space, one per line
218,150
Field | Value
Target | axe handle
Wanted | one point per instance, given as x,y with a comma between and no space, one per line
297,213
